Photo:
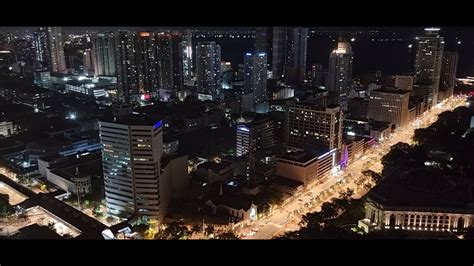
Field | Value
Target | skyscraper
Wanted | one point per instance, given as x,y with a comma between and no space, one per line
255,76
126,66
147,62
312,125
170,60
428,66
261,36
279,52
296,51
340,73
87,61
260,77
131,156
252,139
248,72
103,55
448,70
187,45
56,49
208,60
41,44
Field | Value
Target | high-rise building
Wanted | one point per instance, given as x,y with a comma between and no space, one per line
252,139
389,105
137,178
296,50
24,52
208,59
260,77
56,49
261,36
131,156
41,44
126,66
87,61
248,73
170,60
311,125
255,76
279,52
429,55
340,73
177,58
103,55
147,62
449,66
187,45
319,76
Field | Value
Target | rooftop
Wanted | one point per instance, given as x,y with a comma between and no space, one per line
424,188
305,156
36,231
215,167
391,90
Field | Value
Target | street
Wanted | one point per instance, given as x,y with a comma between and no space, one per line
288,216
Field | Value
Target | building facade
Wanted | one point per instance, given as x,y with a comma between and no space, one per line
312,125
390,105
56,49
428,60
131,159
103,55
340,73
208,60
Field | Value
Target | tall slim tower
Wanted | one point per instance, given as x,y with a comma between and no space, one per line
261,36
340,73
448,70
170,59
428,66
279,52
255,76
187,45
103,55
41,44
56,49
208,60
295,65
147,63
126,66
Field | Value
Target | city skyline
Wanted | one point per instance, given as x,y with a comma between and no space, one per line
285,132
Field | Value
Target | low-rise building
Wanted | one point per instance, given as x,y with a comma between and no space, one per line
214,172
305,166
422,199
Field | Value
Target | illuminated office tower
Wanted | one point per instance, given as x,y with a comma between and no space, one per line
208,60
312,125
340,74
429,55
56,49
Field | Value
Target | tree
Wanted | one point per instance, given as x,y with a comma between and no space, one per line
175,230
197,228
5,207
209,230
227,236
373,176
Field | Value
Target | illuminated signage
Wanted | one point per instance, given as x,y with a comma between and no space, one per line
243,128
158,124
